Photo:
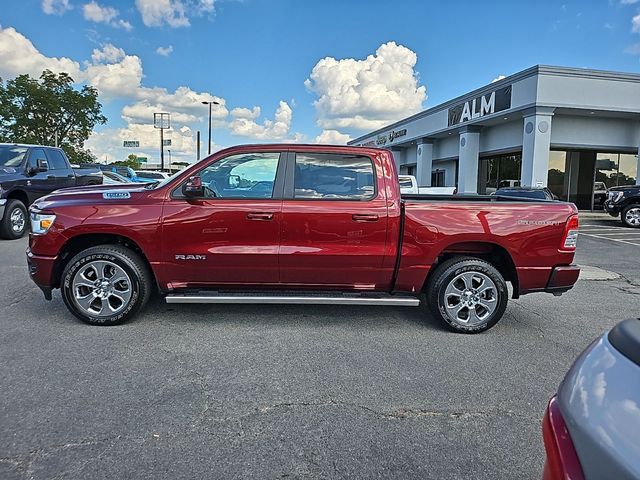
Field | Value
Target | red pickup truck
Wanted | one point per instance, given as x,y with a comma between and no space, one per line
304,224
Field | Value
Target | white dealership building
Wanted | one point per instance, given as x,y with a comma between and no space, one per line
565,128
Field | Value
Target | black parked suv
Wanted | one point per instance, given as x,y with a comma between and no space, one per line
624,201
28,172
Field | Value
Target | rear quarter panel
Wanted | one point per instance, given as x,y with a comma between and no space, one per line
530,232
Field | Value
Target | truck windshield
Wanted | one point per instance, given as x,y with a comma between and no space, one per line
11,156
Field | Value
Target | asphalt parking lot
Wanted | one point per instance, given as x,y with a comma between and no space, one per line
236,391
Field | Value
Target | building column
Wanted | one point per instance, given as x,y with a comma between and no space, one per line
468,160
638,163
397,154
536,143
424,162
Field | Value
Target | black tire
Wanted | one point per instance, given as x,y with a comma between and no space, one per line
633,211
137,282
8,226
479,318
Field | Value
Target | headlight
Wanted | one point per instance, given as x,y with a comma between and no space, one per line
615,196
41,222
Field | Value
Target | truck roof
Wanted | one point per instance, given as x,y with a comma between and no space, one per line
26,145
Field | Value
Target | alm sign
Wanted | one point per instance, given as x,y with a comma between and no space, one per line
486,104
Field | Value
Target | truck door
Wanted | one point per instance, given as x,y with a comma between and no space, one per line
232,235
40,181
334,223
60,169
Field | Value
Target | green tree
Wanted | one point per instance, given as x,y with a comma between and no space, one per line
36,110
131,161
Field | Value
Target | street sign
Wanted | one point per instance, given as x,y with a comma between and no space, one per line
166,142
131,143
142,159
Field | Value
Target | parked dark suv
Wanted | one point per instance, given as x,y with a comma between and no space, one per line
624,201
28,172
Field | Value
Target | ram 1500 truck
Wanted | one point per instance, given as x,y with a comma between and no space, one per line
305,224
28,172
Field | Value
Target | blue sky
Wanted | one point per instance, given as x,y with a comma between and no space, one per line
259,53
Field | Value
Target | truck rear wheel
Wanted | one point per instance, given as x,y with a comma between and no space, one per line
468,294
15,222
106,285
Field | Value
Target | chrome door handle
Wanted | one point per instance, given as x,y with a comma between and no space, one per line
259,216
363,217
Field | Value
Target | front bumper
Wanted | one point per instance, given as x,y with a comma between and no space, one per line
3,202
611,208
41,271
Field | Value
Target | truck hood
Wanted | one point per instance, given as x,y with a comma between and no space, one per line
624,187
92,195
8,174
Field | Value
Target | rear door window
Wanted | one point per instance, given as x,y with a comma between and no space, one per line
333,177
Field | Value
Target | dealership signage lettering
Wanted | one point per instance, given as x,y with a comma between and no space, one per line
390,137
486,104
131,143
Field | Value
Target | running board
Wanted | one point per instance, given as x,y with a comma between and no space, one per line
309,298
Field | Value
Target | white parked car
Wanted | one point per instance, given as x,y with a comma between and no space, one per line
151,175
409,186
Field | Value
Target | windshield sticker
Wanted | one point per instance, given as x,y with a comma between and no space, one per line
116,195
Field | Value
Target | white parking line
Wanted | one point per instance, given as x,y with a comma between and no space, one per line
598,232
626,240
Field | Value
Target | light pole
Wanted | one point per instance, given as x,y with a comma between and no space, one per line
169,150
162,121
210,103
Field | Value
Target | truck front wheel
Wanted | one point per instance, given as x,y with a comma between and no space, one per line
468,294
631,216
106,285
16,220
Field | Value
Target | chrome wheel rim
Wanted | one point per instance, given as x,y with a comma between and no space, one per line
470,298
17,220
632,216
101,288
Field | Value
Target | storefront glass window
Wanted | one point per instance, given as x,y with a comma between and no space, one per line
556,181
500,171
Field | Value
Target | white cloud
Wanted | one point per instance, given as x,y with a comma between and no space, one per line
174,13
157,12
114,73
18,55
108,54
498,78
246,113
164,51
332,137
369,93
94,12
108,144
276,129
635,24
629,2
55,7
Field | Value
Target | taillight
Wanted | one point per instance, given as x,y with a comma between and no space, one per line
570,237
562,461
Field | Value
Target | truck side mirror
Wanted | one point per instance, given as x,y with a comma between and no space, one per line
193,188
43,165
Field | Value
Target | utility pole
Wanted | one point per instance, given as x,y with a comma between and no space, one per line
210,104
198,145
